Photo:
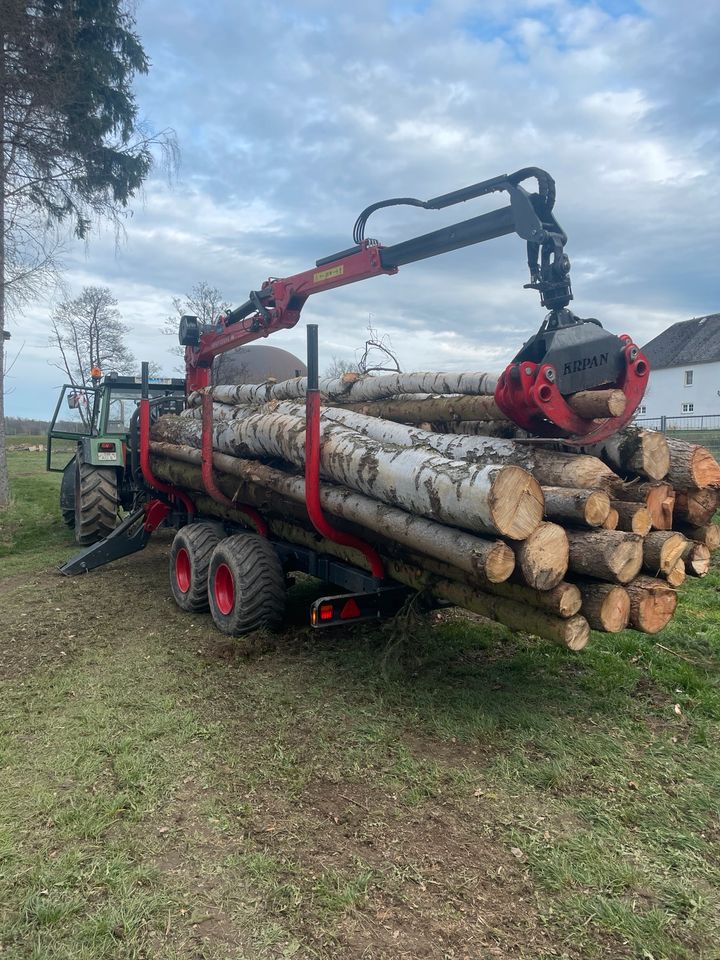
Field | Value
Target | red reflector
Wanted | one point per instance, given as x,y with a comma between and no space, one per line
350,610
106,446
326,611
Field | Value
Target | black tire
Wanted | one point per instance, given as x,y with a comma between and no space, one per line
96,501
67,494
190,556
246,586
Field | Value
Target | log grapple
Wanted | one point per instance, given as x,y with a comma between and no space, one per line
567,355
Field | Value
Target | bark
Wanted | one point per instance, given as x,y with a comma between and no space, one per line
572,632
634,517
542,559
696,507
595,404
696,557
478,497
692,465
676,576
661,551
588,508
633,450
491,560
605,554
505,429
426,409
652,604
709,534
659,498
612,520
605,606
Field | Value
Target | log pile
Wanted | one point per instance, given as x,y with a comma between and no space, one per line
547,539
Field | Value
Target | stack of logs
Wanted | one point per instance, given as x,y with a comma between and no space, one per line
546,539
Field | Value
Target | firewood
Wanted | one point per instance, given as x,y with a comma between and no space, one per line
633,517
696,507
605,554
588,508
611,520
593,404
691,465
676,576
652,604
709,534
605,606
658,497
542,559
696,557
633,450
661,551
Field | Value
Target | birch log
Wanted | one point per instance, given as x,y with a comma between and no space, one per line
661,551
542,559
492,560
692,465
605,554
605,606
633,450
491,499
652,604
426,409
589,508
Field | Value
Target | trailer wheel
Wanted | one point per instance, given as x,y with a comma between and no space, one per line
190,556
246,588
96,500
67,494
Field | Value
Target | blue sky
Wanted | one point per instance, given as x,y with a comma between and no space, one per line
292,117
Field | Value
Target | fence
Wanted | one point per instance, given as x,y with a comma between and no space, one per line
696,428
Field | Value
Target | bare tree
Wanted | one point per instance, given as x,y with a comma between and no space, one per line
89,333
377,354
73,149
204,302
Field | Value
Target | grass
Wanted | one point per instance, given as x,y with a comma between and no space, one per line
167,794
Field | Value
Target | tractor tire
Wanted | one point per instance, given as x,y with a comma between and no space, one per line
246,587
190,556
96,501
67,495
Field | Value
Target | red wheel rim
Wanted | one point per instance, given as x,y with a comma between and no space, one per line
224,589
182,570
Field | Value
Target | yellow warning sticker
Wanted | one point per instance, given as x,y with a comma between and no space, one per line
327,274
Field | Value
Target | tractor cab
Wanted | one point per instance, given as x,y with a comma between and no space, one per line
88,443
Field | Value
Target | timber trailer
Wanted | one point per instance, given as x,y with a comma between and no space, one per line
240,574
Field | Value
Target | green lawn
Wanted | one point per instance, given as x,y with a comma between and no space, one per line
437,789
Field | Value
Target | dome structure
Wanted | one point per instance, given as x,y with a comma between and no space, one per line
256,363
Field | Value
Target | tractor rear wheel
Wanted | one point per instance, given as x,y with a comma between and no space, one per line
96,500
190,556
246,588
67,494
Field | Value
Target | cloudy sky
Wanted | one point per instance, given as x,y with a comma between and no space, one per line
293,116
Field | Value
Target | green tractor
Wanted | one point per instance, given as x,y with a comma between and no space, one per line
95,426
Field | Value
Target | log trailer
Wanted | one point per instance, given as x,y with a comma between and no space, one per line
241,576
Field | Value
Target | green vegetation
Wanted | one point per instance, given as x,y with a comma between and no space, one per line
456,792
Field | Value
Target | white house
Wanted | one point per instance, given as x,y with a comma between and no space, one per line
684,370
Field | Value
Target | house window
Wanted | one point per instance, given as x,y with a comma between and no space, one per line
642,409
688,407
688,378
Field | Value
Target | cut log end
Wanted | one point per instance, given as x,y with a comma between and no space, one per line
606,606
516,503
652,604
499,563
654,455
612,520
543,557
676,576
576,633
697,559
594,404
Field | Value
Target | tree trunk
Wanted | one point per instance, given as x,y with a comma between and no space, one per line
692,465
605,554
709,534
659,498
562,600
661,551
633,450
696,507
491,560
542,559
426,409
503,429
652,604
696,557
611,520
595,404
633,517
605,606
589,508
492,499
4,481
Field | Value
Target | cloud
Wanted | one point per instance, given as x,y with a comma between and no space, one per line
292,120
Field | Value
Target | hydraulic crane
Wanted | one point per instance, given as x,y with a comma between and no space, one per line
568,354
